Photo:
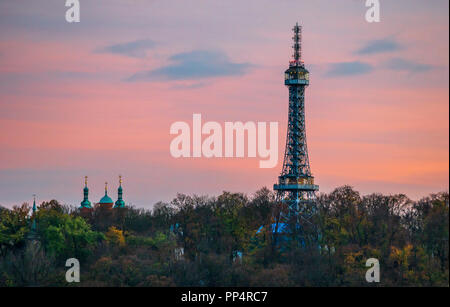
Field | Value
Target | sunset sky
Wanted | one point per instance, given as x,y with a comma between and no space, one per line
98,97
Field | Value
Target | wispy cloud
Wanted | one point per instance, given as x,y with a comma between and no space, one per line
399,64
135,49
194,65
379,46
348,69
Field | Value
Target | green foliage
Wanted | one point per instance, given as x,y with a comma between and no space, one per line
196,240
13,227
66,236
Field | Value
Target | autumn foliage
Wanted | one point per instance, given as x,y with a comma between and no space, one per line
213,241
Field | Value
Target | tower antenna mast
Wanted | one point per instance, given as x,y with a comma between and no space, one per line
297,38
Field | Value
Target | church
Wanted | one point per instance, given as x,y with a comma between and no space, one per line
105,201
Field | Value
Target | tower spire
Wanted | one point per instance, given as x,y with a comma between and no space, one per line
85,203
33,235
33,223
34,204
297,38
119,203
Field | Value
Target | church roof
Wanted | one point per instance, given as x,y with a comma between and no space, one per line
86,203
106,200
119,204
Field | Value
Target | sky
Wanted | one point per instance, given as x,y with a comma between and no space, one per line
98,97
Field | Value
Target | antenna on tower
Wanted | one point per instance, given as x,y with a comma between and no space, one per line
297,38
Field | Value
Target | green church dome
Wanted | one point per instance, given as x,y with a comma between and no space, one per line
85,203
120,203
106,200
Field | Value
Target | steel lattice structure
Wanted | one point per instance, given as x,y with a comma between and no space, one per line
295,188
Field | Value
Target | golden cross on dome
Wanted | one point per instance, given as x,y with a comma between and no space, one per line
106,186
85,180
120,179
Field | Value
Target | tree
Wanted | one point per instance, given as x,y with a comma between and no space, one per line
14,225
65,236
115,236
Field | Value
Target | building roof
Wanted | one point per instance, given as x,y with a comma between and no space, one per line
119,203
282,228
86,203
106,199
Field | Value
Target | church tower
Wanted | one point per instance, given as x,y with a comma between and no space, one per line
85,206
120,203
33,236
33,224
85,203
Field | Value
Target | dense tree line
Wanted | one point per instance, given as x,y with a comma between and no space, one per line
214,241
